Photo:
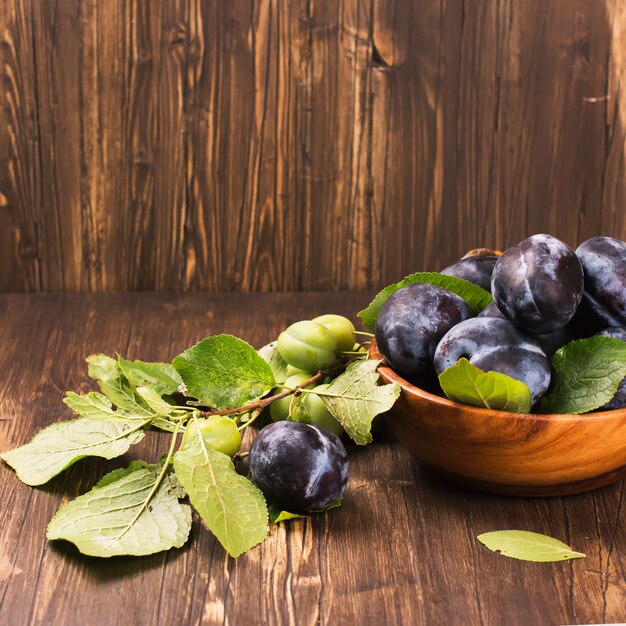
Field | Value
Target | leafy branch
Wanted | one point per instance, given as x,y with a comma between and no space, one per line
137,510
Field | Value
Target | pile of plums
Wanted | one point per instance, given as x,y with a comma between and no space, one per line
544,295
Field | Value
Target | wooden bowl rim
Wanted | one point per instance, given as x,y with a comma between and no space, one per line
391,376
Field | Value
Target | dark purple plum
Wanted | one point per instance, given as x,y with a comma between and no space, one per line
411,323
550,342
538,284
619,399
604,263
495,344
299,467
492,310
476,269
617,332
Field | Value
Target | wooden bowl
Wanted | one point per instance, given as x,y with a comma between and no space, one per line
508,453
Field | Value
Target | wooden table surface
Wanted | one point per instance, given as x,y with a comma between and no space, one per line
401,550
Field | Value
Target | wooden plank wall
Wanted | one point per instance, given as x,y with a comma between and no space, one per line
303,144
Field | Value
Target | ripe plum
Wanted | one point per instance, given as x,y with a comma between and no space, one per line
299,467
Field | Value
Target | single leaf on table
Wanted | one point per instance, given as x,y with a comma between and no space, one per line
224,372
476,297
528,546
160,377
60,445
355,398
586,375
115,386
270,354
231,506
127,512
467,384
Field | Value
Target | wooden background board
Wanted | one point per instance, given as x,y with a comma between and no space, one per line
401,550
269,145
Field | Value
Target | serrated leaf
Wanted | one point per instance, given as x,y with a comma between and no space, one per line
476,297
114,475
528,546
163,424
355,398
60,445
277,515
97,406
157,404
125,513
231,506
114,385
102,367
224,372
270,354
467,384
586,375
162,378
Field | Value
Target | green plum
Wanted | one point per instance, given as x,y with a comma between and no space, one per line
317,413
309,346
218,432
279,409
292,371
341,327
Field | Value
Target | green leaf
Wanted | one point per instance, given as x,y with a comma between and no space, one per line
231,506
60,445
277,515
355,398
476,297
103,368
92,405
97,406
160,377
527,546
465,383
116,387
163,424
586,375
127,512
278,365
157,404
224,372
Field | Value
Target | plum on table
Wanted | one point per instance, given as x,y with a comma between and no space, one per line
299,467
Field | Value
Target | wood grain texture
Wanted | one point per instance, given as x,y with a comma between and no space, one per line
401,550
273,145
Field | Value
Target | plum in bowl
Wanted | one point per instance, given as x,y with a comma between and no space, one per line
507,453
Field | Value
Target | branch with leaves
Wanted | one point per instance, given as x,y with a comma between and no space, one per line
140,509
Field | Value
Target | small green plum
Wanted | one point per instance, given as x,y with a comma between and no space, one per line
318,414
291,371
279,409
218,432
309,346
341,327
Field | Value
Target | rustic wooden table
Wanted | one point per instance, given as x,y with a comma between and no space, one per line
401,550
